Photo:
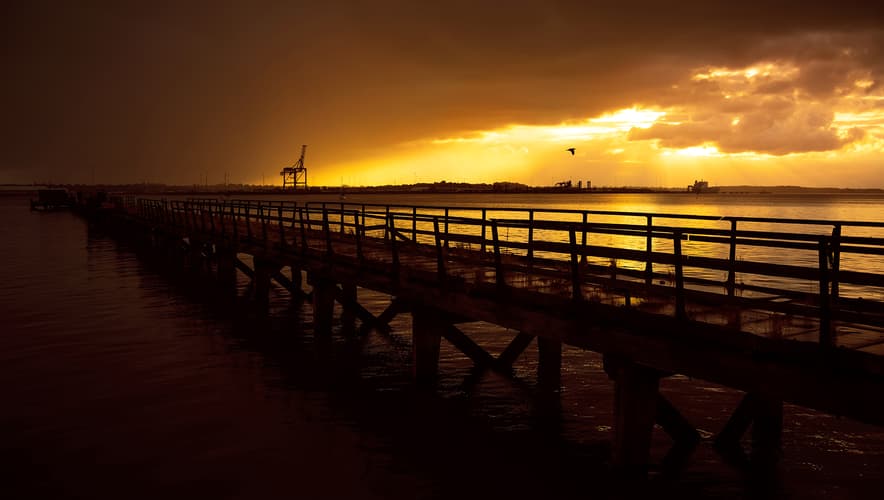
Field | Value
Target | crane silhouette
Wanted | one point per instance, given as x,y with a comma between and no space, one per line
571,150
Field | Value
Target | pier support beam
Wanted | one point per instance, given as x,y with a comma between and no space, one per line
225,261
348,315
684,435
292,285
549,366
765,415
297,281
767,433
636,390
264,270
428,326
171,249
323,304
195,255
514,350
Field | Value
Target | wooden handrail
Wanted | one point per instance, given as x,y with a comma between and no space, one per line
537,243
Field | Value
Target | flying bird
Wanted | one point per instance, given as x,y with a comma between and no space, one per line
571,150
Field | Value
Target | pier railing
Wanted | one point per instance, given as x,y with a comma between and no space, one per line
781,266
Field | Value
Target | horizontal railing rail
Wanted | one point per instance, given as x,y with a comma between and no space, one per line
664,255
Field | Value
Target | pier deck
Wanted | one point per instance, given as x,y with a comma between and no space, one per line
663,296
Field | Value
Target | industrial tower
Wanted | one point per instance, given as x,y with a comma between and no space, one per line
296,175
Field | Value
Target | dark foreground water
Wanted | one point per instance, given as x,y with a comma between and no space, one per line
121,379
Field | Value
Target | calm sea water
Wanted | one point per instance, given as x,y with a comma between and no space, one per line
122,379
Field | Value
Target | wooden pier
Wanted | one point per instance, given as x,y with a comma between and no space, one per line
656,294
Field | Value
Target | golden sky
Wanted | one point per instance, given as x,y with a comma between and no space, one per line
649,94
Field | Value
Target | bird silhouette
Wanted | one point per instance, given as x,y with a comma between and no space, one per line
571,150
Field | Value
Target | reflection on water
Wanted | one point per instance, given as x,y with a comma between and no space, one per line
122,379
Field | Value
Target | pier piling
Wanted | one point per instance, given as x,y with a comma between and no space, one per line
428,326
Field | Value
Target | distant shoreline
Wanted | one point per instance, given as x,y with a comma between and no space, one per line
437,188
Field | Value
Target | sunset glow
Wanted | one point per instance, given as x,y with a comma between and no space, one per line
747,124
396,94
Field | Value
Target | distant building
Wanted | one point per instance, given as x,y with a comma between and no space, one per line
702,187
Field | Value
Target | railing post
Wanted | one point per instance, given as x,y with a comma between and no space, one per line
221,220
484,212
394,248
680,312
327,230
576,279
446,228
827,339
414,224
235,221
262,213
342,218
732,261
304,246
530,238
357,232
387,226
835,260
583,241
499,277
440,254
248,220
649,251
212,219
282,242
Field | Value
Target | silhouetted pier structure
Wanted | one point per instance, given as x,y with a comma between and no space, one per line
784,321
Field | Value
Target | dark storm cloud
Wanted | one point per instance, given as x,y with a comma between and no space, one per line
161,91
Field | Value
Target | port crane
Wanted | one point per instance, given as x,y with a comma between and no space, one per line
296,175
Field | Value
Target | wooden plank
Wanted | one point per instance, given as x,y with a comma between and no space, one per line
428,327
